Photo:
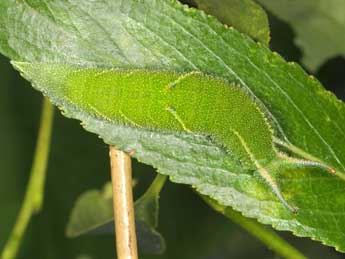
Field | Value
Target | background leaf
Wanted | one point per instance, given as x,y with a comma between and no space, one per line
244,15
319,26
164,40
93,212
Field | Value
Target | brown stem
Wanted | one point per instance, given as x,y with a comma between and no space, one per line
121,175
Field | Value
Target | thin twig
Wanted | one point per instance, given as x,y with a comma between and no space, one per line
121,174
34,194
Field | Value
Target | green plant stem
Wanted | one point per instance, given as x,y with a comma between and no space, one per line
155,187
262,233
34,194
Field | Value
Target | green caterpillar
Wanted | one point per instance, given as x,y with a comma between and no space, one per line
168,101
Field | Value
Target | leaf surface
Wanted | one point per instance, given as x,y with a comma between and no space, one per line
319,26
165,35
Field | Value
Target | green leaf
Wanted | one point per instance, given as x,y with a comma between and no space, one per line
93,212
319,27
243,131
243,134
147,206
165,35
146,217
244,15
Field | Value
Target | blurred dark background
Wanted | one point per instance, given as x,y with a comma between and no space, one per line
79,161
